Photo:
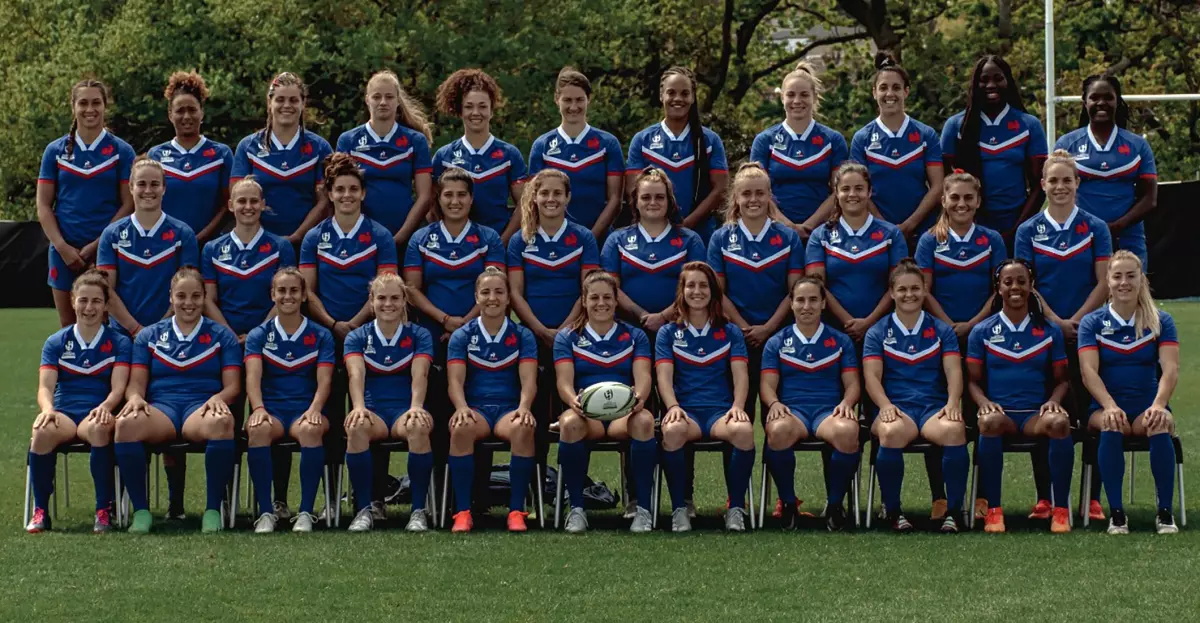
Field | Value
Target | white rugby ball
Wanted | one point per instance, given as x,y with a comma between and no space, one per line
607,401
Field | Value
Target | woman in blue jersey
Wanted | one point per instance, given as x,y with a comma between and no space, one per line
81,382
197,168
1129,356
1119,179
810,389
591,158
289,370
800,154
492,369
700,365
913,373
186,372
289,161
393,149
596,348
1000,144
388,363
496,167
691,155
1017,366
903,155
82,187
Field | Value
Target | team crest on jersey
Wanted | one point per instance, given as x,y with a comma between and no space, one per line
834,236
458,158
583,342
890,339
70,346
779,138
324,244
875,144
1107,329
124,241
362,143
1041,233
552,149
264,150
163,340
432,243
226,253
631,242
656,141
679,341
895,153
997,334
787,346
167,157
733,243
943,247
370,347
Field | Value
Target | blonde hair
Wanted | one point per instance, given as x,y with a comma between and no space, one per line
249,180
805,70
408,111
530,219
1063,157
1145,312
388,278
142,162
490,271
745,172
941,229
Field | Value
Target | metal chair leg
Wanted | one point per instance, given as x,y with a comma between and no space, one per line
119,501
233,493
431,497
327,489
334,507
659,474
750,500
855,487
28,495
764,484
537,474
54,494
870,494
971,496
1182,500
1085,493
1132,474
558,492
445,494
67,479
157,467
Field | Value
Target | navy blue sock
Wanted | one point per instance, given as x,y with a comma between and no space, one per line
259,461
841,470
643,456
520,471
1110,460
955,464
1162,465
889,465
312,468
361,477
741,464
42,472
101,463
782,465
131,459
462,478
218,468
1062,462
991,467
675,464
420,466
573,456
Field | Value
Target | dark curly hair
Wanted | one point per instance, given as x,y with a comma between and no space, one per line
186,83
452,91
338,164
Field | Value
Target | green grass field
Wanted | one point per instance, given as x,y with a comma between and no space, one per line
178,574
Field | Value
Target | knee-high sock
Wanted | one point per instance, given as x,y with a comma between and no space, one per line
41,467
259,461
955,464
131,459
312,467
218,468
741,465
643,455
574,459
991,468
1062,462
782,464
101,463
1162,465
380,462
935,469
361,477
1110,459
889,464
420,466
841,470
675,464
1041,471
520,471
281,472
462,478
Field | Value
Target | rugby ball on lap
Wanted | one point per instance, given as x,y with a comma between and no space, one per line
607,401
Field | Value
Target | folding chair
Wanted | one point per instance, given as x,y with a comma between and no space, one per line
602,445
293,447
707,446
804,445
386,445
232,489
496,445
1011,444
66,450
1132,445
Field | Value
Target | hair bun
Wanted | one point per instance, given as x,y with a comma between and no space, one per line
958,170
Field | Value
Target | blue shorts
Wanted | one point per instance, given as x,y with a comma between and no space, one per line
75,415
389,414
287,414
1020,417
920,414
59,275
178,411
493,413
705,418
811,418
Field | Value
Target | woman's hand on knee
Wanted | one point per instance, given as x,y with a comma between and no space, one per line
1157,419
216,406
312,417
46,419
523,417
134,407
417,419
674,414
463,417
100,416
950,413
357,418
736,414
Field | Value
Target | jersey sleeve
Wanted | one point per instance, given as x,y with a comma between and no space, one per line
796,259
141,348
241,160
873,343
125,151
717,161
516,245
840,153
422,159
613,161
1023,243
1036,147
353,347
999,251
386,248
231,351
344,143
456,348
106,255
933,147
529,347
1058,345
423,346
562,347
48,172
50,352
323,151
412,252
610,256
849,353
287,253
254,343
1167,333
924,254
1102,240
814,253
949,339
634,161
189,251
760,150
950,135
770,354
1086,334
536,160
495,252
695,246
591,252
124,350
898,250
641,345
326,352
975,347
308,248
207,270
1147,169
437,166
516,171
737,343
662,345
858,151
715,258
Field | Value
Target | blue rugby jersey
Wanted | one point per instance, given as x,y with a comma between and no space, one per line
1017,360
1064,257
145,260
649,267
243,273
897,164
87,184
390,164
290,362
1108,175
657,147
913,377
185,368
1128,362
493,168
703,361
388,363
492,361
289,175
756,268
449,266
196,179
554,266
588,160
598,358
801,165
346,262
857,263
84,368
1006,143
962,268
810,369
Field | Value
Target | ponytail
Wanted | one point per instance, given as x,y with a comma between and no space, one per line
86,83
701,185
408,110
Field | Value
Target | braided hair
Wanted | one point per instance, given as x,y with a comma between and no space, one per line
968,157
86,83
701,185
1122,116
285,79
1035,302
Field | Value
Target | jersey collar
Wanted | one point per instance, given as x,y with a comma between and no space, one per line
179,332
887,132
997,120
1121,322
237,242
353,230
803,136
195,148
1012,327
489,339
645,234
475,152
966,238
862,231
292,337
153,228
1054,224
558,234
667,131
578,139
803,340
291,143
1112,138
701,333
596,336
761,234
384,340
83,344
916,330
451,239
99,139
381,139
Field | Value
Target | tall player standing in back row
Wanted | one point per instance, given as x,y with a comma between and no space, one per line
496,167
591,158
197,168
693,156
289,161
82,187
393,149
